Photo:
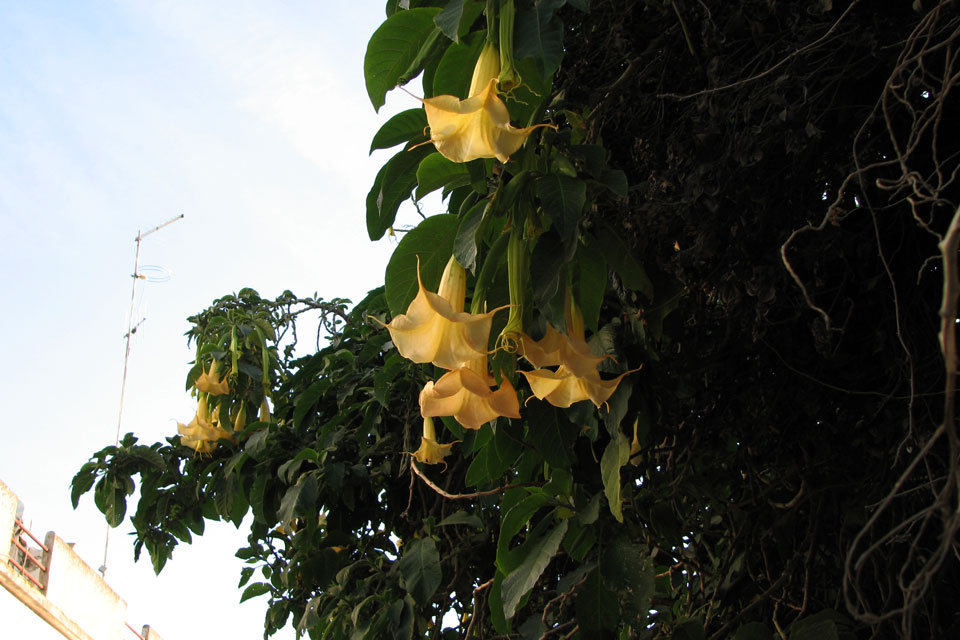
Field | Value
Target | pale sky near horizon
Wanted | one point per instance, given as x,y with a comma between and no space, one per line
251,119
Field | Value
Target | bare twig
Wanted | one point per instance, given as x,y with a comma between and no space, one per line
466,496
769,70
476,594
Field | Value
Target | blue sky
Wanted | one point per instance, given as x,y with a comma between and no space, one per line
251,119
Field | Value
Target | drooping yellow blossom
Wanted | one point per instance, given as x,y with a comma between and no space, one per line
436,329
562,387
573,353
576,377
264,411
240,420
478,127
465,394
430,452
204,430
209,382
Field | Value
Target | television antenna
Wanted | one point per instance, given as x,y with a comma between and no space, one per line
148,273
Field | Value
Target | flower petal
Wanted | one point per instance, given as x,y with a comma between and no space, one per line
478,127
465,395
432,331
557,349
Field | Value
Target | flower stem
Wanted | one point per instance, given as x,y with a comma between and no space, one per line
516,269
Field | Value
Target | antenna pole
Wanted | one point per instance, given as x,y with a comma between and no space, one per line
126,356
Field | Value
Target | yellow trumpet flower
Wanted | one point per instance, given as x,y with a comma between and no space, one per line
210,382
576,377
435,327
478,127
465,394
430,452
204,430
573,353
562,387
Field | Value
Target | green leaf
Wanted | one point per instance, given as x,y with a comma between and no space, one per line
545,269
148,455
456,66
385,375
465,245
304,401
82,482
551,434
630,271
597,607
513,520
626,567
616,181
419,569
463,518
617,404
615,456
406,126
432,240
111,499
300,499
539,34
563,198
289,469
254,590
495,602
453,20
437,171
522,579
392,186
592,269
393,48
494,459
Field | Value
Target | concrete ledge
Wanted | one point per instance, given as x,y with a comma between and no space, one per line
28,594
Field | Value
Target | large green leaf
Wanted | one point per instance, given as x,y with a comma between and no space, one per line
626,567
457,16
254,590
513,520
539,35
494,459
111,499
419,569
563,198
615,249
615,456
465,245
406,126
545,270
591,285
522,579
392,186
432,242
393,48
437,171
550,433
597,607
301,498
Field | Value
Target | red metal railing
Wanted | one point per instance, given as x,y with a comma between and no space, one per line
20,564
134,631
